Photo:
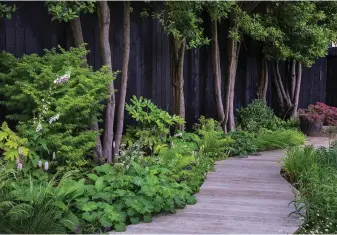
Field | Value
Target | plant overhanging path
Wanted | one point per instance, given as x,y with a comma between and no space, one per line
244,195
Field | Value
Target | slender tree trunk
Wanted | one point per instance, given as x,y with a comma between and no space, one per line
280,83
233,56
104,29
177,53
263,81
217,74
277,87
293,79
76,29
124,81
297,89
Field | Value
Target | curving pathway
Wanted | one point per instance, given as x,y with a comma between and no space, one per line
244,195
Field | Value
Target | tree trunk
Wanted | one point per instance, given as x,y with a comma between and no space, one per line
217,74
104,29
177,53
277,87
263,81
297,89
124,81
293,79
233,56
280,83
76,29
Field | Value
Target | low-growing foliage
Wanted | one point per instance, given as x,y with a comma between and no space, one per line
268,140
314,173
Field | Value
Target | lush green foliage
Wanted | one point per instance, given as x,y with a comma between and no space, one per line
68,10
314,174
11,144
213,141
243,143
54,102
6,10
154,124
257,115
279,139
181,20
32,206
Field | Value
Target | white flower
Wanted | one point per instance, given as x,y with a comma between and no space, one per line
39,163
54,155
54,119
63,78
46,166
20,151
39,127
19,166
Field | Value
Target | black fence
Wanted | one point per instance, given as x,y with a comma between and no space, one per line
31,30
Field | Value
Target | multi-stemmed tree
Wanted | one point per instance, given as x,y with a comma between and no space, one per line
181,21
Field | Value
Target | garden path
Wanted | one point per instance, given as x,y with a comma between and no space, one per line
244,195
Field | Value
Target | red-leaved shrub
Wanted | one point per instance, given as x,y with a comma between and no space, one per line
320,111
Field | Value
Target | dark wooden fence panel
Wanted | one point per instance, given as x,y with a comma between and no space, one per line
31,30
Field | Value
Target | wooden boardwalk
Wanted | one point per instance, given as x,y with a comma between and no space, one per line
244,195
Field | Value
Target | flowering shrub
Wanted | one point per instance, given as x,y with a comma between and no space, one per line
54,99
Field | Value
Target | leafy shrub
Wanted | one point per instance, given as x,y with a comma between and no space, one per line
154,124
187,164
257,115
314,172
268,140
329,113
213,142
54,99
11,144
243,143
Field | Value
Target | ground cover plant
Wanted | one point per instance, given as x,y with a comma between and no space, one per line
313,172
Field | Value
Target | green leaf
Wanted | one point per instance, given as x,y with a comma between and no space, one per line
134,220
120,227
90,206
105,222
71,221
11,154
103,195
147,218
93,177
191,200
11,144
3,135
99,184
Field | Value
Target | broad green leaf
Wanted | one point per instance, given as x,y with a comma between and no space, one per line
134,220
120,227
3,135
99,184
147,218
